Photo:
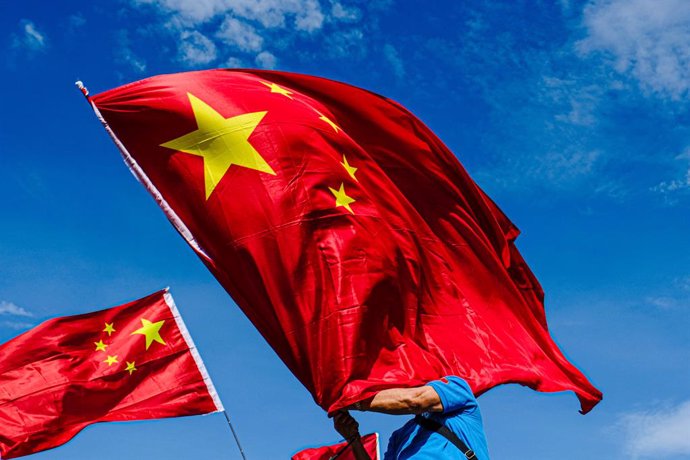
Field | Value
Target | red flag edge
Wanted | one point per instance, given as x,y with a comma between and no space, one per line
143,179
193,350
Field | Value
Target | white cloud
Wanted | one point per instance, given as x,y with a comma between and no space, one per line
664,303
76,20
678,184
311,18
266,60
306,15
391,55
247,25
196,48
563,167
658,433
8,308
344,13
30,37
240,34
187,12
575,103
648,39
235,63
348,44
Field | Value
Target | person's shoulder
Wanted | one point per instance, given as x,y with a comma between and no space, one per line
454,379
455,394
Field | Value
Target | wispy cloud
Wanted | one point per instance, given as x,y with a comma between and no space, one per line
666,303
196,48
124,53
30,38
393,58
680,183
9,308
76,21
241,35
266,60
647,39
657,433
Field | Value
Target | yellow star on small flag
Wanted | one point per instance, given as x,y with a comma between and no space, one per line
100,346
111,360
130,367
329,121
109,328
341,198
351,170
151,331
278,89
221,142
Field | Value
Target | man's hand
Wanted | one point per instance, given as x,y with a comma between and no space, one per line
349,429
346,425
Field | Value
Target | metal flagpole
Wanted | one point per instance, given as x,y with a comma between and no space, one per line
234,435
175,220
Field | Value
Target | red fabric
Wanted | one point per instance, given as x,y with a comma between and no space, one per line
369,441
53,382
421,280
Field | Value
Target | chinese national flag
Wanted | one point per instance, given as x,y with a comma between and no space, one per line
341,451
345,230
132,362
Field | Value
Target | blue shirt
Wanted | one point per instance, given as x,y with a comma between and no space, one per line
460,414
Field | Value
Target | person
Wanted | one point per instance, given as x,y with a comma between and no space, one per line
448,402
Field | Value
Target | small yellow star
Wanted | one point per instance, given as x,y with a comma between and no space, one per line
130,367
341,198
151,331
109,328
100,346
278,89
111,360
329,121
351,170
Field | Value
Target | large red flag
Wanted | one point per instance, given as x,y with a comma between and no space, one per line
346,231
132,362
341,451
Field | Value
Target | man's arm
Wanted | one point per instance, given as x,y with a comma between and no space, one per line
400,401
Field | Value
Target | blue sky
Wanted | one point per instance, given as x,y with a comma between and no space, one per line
574,116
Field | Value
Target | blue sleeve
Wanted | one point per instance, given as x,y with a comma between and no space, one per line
456,395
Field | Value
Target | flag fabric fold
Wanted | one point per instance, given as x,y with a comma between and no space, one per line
341,451
345,230
132,362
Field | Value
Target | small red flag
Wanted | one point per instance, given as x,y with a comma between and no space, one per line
346,231
341,451
132,362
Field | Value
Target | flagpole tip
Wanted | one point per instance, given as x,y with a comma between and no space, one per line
80,85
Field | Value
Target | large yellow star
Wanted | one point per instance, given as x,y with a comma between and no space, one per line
111,360
351,170
341,198
100,346
221,142
278,89
151,331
